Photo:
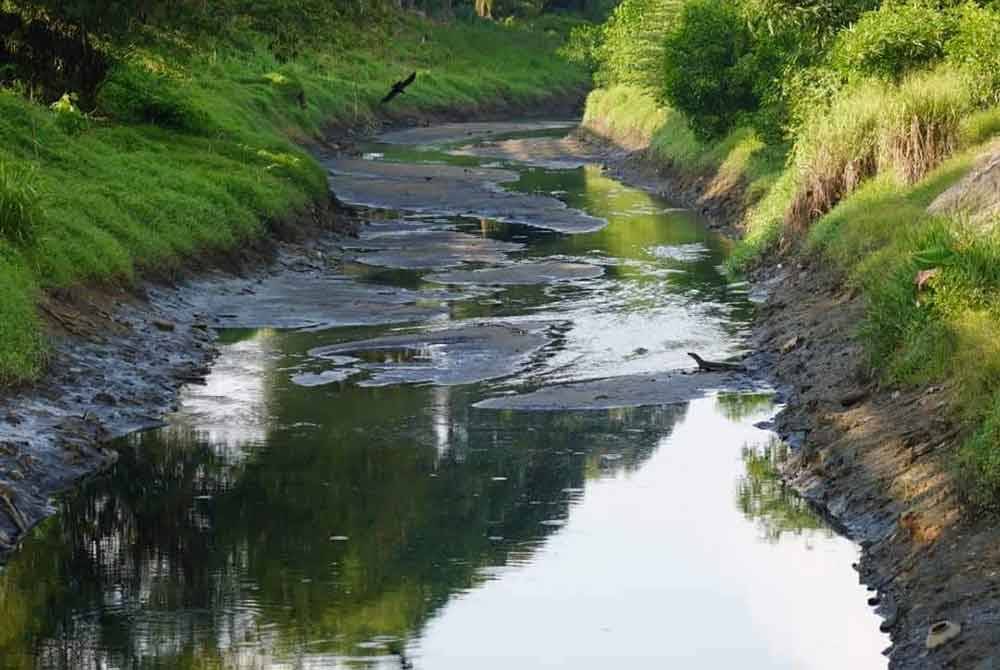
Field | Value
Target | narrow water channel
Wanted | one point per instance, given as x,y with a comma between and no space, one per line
500,475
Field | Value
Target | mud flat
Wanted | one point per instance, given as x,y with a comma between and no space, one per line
410,245
539,272
627,391
451,133
451,191
120,358
462,355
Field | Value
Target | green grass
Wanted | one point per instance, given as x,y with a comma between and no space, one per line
873,128
112,198
631,116
880,238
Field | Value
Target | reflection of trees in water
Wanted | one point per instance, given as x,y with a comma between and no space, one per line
763,497
188,559
742,406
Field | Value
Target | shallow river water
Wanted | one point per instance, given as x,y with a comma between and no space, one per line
455,486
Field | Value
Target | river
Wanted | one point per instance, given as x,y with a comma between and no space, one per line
489,465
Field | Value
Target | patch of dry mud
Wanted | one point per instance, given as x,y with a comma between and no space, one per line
452,191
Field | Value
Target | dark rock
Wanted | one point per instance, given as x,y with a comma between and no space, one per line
165,326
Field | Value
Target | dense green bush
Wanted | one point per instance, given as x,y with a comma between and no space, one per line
708,69
975,49
20,209
631,47
893,40
133,94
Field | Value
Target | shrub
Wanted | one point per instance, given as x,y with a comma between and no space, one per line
68,116
133,94
975,50
20,209
583,45
631,47
809,92
892,40
288,85
707,72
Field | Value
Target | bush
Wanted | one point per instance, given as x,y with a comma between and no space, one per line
20,209
68,116
975,50
631,48
893,40
133,94
288,85
582,45
707,69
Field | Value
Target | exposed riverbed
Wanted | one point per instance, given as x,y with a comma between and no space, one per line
469,438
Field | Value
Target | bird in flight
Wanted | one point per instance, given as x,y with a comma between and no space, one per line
399,87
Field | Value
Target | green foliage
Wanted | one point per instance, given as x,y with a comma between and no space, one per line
707,73
875,126
68,115
893,40
975,49
134,94
288,84
583,45
978,463
20,203
631,46
811,25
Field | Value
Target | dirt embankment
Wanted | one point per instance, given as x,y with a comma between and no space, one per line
874,459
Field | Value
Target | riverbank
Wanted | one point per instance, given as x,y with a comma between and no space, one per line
89,349
875,454
190,144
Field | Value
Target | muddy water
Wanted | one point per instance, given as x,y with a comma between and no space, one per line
357,491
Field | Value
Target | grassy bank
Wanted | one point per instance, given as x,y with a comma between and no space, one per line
630,116
853,191
195,142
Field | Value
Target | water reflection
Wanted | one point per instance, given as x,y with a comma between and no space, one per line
344,534
763,497
287,519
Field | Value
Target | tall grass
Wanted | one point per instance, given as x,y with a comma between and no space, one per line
630,117
20,209
871,128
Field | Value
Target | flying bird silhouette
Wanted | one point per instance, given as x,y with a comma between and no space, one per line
399,87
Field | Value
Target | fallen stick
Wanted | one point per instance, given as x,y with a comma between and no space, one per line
14,513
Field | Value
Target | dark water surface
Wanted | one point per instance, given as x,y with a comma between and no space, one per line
332,499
